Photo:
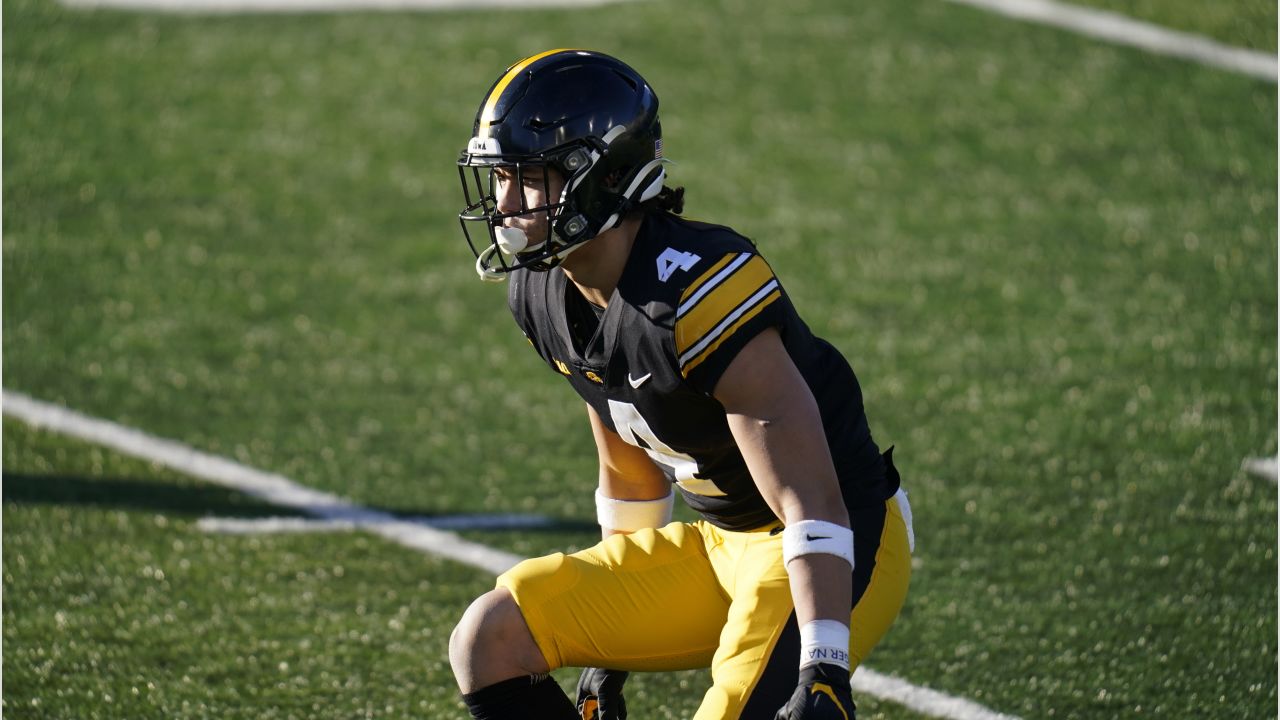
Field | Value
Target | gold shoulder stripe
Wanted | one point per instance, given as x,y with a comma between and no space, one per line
707,307
705,277
730,326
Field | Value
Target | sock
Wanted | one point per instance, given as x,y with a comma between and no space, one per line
531,696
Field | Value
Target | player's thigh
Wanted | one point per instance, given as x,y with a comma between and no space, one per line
882,576
747,664
644,601
756,667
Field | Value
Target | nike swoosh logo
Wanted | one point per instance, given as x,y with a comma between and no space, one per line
824,689
637,382
817,537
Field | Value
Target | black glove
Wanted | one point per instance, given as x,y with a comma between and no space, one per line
600,694
823,694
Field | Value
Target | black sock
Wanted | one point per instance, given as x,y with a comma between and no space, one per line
532,697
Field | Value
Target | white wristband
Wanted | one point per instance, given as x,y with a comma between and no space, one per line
824,641
812,537
631,515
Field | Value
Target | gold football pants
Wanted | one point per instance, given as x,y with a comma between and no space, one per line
690,595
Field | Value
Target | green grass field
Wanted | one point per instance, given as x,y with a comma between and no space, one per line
1243,23
1051,261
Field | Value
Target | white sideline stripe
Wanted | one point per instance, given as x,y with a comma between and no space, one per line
337,512
921,699
1123,30
1262,467
273,488
272,525
228,7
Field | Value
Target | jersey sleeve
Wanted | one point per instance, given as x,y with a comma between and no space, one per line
719,312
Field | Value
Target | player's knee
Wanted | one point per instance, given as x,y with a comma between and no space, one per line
492,643
479,625
459,644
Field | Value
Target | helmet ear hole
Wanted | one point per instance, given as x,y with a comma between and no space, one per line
613,181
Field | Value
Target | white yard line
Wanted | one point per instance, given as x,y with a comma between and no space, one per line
228,7
271,525
921,699
273,488
1262,467
1101,24
339,513
1123,30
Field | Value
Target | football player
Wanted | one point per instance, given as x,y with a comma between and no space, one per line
698,377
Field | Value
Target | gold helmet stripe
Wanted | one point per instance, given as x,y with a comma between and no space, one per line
486,115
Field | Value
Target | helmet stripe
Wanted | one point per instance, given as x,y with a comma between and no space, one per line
486,114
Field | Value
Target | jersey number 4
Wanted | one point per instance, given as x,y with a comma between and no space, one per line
635,431
671,260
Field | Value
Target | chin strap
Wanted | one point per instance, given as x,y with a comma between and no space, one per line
484,260
482,267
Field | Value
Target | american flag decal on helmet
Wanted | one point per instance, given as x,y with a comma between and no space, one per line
657,148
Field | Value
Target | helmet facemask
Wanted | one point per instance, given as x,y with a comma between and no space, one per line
500,249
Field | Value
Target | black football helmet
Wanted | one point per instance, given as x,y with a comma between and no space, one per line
586,115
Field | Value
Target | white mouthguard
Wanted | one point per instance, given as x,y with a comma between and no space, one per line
511,240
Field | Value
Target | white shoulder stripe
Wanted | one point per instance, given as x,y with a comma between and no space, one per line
689,303
729,319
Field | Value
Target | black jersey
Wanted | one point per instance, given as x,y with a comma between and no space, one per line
690,297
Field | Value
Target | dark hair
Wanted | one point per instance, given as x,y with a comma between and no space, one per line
667,200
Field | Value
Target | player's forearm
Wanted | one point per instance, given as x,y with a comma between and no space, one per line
634,486
778,428
807,489
818,554
822,588
792,466
632,493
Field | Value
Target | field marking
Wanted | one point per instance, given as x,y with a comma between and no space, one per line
921,699
1123,30
1101,24
270,487
273,525
338,512
1262,467
230,7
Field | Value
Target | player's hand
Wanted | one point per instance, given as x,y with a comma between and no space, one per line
600,694
823,694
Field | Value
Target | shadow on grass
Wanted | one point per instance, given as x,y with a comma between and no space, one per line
129,494
190,500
